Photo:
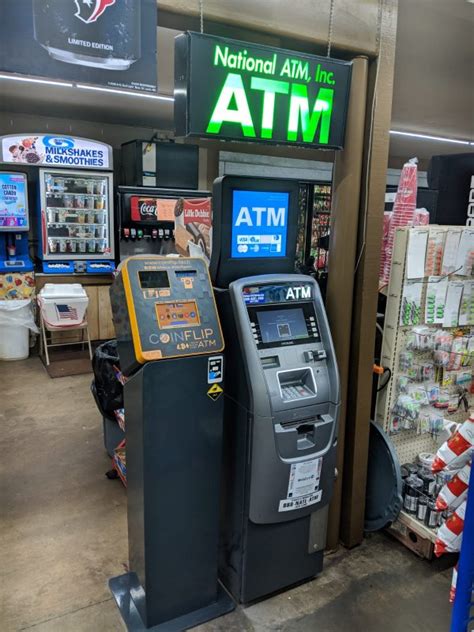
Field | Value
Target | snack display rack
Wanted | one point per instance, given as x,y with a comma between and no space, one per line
321,224
409,443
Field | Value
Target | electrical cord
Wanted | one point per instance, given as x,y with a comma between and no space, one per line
385,384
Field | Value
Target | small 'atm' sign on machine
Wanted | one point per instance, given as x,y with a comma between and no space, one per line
235,90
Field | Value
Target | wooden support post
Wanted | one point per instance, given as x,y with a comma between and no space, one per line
366,280
342,253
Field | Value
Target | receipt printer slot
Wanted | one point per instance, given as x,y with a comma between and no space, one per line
270,362
296,384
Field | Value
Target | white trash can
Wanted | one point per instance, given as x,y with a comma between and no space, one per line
16,320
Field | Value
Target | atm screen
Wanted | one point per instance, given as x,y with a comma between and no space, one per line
282,325
259,224
177,314
154,279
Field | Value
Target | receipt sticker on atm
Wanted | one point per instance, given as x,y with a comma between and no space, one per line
303,485
215,369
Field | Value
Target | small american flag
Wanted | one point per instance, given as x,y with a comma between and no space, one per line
66,313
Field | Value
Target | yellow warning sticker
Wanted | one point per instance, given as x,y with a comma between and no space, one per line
214,392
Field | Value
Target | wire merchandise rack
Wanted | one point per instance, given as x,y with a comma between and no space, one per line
462,619
408,443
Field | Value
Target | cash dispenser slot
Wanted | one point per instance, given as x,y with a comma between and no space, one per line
296,384
312,434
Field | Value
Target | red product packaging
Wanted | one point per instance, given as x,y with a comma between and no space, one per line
449,536
455,451
422,217
455,491
403,211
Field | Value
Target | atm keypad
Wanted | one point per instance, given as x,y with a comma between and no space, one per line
295,392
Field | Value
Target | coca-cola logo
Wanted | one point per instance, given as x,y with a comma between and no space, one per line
148,209
143,209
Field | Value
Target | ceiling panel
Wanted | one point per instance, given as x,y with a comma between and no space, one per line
434,88
354,24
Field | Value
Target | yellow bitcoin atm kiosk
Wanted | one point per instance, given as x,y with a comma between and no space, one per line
170,346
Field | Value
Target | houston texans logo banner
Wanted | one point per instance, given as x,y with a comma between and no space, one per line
89,10
110,43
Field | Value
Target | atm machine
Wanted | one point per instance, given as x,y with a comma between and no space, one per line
282,388
170,345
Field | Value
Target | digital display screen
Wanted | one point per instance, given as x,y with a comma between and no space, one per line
281,325
259,224
13,202
153,279
177,314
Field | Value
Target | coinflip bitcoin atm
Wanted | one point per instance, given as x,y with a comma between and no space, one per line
282,389
170,346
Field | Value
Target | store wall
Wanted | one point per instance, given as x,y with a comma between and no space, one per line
113,134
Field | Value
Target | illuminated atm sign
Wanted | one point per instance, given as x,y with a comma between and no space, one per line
226,89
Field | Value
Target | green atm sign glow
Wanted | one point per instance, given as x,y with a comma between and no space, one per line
232,90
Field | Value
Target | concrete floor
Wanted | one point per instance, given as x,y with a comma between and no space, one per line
63,534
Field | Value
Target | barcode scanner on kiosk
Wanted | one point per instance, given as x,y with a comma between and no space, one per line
170,344
282,388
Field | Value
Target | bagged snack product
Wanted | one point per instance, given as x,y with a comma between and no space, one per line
455,491
458,351
449,536
455,452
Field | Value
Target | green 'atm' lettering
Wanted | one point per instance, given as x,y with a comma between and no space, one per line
270,87
233,89
299,110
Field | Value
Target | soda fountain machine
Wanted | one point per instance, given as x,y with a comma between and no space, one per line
147,218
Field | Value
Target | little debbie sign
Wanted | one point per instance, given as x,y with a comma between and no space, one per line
233,90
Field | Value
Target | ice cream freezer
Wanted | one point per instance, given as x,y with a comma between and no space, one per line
76,216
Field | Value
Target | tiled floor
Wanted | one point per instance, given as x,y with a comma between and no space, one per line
63,534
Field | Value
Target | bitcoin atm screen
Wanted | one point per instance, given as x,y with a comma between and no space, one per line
153,279
177,314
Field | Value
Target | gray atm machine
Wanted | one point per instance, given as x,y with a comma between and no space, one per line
283,397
